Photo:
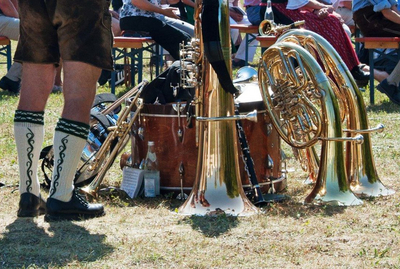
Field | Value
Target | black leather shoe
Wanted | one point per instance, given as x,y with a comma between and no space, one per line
392,91
76,209
104,77
238,63
10,85
361,77
30,205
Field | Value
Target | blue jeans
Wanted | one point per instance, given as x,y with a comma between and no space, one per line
253,14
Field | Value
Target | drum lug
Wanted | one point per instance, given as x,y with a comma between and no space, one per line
269,162
178,107
268,126
180,134
182,196
140,133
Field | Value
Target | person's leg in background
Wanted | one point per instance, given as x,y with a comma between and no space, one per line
9,27
391,85
240,56
57,88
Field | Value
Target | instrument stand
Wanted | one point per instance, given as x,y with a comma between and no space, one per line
272,196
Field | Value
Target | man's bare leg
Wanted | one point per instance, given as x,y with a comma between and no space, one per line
69,139
79,90
37,80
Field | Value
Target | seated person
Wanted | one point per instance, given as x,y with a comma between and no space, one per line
115,23
9,27
179,23
255,12
380,20
319,19
236,17
184,6
143,15
391,85
344,8
346,12
116,5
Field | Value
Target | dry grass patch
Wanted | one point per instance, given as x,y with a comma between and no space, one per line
147,233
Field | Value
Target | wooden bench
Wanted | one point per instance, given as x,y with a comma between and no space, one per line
5,50
132,48
373,44
250,31
266,41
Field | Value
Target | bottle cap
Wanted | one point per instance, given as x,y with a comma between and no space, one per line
150,143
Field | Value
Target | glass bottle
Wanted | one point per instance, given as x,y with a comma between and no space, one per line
152,175
151,162
269,14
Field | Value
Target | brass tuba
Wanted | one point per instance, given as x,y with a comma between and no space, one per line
217,187
361,171
303,108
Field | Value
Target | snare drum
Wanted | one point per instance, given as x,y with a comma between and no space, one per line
176,147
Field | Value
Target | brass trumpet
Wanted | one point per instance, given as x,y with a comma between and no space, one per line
268,27
118,135
361,171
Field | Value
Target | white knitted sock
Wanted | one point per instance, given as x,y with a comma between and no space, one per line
69,139
29,135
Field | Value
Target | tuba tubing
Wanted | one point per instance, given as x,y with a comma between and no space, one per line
331,185
217,187
361,170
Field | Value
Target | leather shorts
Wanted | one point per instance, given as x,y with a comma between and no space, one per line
75,30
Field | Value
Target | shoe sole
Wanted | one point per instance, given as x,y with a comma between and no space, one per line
71,217
362,83
31,213
382,90
28,214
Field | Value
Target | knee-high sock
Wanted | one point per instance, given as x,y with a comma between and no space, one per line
69,139
394,77
29,135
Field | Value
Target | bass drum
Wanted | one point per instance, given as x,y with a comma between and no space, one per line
176,148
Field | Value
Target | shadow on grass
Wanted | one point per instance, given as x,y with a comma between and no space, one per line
293,209
212,226
386,106
24,244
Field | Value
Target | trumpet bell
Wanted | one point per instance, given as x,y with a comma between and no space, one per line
266,27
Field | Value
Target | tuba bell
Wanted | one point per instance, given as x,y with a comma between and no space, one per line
304,110
217,187
361,171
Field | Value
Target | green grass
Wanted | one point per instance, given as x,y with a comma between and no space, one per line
147,233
